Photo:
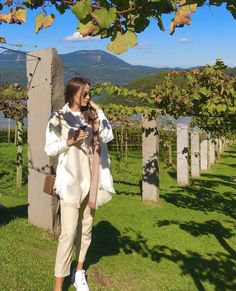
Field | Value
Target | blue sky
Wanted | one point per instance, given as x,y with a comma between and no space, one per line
211,35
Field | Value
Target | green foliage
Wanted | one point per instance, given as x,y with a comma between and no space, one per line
209,96
82,9
4,135
122,42
206,94
8,170
146,84
12,101
118,20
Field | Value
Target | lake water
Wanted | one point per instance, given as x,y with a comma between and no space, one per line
5,122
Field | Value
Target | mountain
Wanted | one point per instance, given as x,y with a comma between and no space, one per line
97,65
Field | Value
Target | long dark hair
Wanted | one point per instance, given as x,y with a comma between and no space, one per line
71,88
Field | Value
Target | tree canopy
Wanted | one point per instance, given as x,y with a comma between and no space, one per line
119,20
208,96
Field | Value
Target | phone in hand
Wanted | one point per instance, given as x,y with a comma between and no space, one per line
83,127
77,131
86,107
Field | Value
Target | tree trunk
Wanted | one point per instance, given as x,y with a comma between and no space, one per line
170,155
19,155
117,141
126,145
9,131
122,141
16,130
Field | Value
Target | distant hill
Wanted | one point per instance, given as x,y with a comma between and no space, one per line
147,83
97,65
232,71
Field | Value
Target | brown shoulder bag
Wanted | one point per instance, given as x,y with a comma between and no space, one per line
49,181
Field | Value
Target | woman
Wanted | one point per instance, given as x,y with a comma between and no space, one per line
77,134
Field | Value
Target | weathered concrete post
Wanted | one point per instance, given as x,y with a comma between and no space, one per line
217,148
212,156
204,151
46,87
195,154
224,143
220,145
150,155
182,154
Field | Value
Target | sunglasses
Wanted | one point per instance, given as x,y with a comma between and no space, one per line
86,93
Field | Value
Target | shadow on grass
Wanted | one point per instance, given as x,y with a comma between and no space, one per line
203,195
7,214
128,191
3,173
125,183
218,269
210,227
228,165
172,173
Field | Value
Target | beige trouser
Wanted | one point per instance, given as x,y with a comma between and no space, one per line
76,228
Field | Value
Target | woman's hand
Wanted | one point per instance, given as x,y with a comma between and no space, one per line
83,134
94,105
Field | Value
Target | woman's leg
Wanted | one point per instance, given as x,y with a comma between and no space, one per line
66,240
84,232
58,283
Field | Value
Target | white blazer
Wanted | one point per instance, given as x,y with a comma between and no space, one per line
55,144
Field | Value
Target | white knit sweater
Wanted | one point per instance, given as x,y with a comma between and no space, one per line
73,178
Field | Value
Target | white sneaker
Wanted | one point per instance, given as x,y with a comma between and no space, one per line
80,281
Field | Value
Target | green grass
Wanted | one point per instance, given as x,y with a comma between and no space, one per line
187,242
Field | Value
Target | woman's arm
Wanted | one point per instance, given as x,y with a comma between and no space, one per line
53,144
105,129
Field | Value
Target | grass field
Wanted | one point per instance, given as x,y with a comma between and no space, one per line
187,242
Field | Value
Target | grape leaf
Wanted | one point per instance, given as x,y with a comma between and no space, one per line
6,18
87,27
182,16
104,17
122,42
43,21
20,14
82,9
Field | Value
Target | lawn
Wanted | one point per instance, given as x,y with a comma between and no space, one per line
187,242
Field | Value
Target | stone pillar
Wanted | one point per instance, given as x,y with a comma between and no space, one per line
150,155
217,148
195,154
182,154
204,152
212,156
46,86
224,143
220,145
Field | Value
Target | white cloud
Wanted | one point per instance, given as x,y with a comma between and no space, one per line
77,36
184,40
142,45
